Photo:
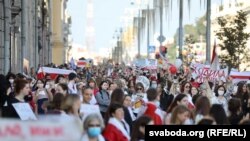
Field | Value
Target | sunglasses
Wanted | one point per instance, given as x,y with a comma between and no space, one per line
139,88
94,125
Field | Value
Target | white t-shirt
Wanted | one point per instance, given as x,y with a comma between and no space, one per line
72,88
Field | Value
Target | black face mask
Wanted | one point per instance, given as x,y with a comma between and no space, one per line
28,98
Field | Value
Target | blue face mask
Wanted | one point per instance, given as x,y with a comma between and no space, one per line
94,131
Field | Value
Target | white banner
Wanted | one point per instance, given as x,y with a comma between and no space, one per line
87,109
54,71
240,76
146,63
49,130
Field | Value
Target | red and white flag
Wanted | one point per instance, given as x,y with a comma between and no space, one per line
82,63
215,58
53,72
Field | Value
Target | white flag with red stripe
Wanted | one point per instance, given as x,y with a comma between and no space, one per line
82,63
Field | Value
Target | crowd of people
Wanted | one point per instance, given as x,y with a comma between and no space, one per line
126,106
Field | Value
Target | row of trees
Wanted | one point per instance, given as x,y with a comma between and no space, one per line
231,33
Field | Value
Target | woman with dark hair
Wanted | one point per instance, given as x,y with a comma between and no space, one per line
235,113
219,114
167,94
21,90
138,132
62,88
92,83
117,129
219,97
128,103
131,87
103,97
118,97
60,79
243,95
10,77
206,121
3,90
112,87
186,89
194,91
202,108
180,99
140,98
41,95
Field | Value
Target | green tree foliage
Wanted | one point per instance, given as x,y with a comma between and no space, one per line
194,31
233,40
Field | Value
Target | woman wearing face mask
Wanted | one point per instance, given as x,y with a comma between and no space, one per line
103,97
41,95
93,126
219,98
154,84
10,87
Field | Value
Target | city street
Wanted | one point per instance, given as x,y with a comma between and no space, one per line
95,70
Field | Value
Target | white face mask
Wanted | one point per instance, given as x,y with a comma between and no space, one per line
188,122
11,81
220,92
178,89
39,85
47,86
154,86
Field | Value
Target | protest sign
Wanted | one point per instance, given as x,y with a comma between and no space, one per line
48,130
87,109
24,111
202,72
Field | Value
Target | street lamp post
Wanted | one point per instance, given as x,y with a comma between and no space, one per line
208,30
181,29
